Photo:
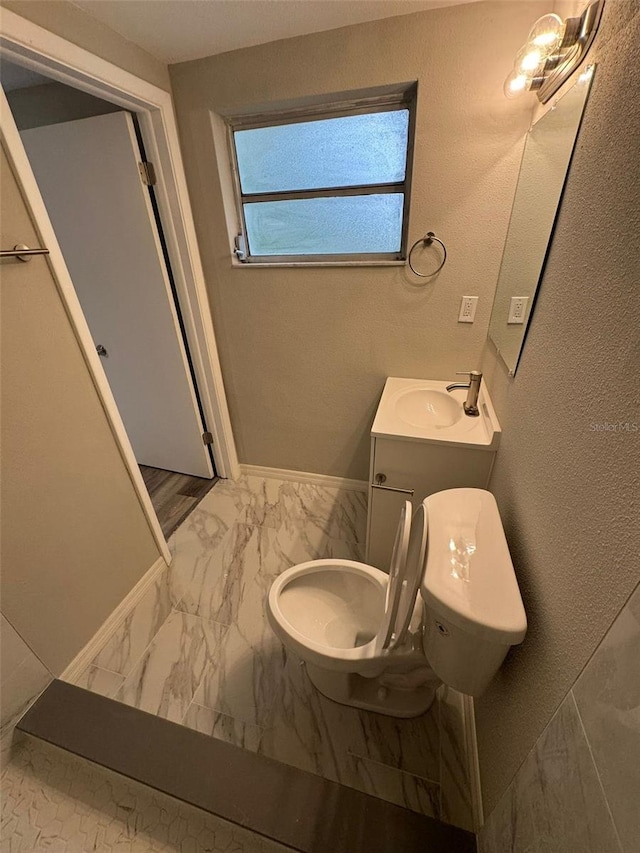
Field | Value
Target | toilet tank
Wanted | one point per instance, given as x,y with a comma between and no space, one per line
473,612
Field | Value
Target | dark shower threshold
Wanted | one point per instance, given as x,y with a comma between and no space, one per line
290,806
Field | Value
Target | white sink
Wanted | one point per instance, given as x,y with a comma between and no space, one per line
423,410
424,407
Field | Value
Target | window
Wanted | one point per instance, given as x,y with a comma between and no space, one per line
325,185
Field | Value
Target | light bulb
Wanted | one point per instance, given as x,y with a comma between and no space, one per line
516,83
529,58
547,33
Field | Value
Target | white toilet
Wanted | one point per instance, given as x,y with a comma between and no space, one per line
369,641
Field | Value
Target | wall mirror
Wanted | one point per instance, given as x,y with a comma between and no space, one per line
545,164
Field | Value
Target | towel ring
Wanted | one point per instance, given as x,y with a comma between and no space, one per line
427,240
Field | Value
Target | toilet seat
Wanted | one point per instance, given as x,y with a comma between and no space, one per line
404,581
342,614
397,571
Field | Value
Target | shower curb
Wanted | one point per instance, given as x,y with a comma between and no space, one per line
290,806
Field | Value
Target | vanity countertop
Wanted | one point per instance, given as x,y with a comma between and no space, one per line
423,410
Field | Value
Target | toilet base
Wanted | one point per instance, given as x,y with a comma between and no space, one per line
373,694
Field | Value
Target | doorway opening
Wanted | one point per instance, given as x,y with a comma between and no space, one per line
87,155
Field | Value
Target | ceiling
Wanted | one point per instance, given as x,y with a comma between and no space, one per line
180,30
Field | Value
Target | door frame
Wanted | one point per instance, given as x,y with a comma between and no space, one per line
32,46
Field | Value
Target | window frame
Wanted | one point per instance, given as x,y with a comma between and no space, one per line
405,98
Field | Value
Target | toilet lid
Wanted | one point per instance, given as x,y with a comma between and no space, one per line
397,569
405,576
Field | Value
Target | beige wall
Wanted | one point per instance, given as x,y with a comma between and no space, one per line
305,352
72,23
74,537
569,493
53,103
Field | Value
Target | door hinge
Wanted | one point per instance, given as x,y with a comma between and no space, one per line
207,438
148,174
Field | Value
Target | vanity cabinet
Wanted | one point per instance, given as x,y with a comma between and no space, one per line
419,466
423,442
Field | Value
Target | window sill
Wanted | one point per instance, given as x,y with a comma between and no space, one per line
235,264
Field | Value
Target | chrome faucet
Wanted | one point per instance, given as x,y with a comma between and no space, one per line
470,405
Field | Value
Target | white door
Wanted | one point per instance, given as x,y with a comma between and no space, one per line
89,177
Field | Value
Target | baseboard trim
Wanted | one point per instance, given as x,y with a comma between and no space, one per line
305,477
473,763
111,624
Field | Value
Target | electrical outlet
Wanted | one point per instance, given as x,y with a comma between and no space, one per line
517,309
468,309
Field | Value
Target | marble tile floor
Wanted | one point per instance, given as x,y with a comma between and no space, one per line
198,650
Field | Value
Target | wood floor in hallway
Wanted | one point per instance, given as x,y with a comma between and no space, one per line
174,495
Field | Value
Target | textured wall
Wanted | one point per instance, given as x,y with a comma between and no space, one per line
72,23
74,537
305,352
568,492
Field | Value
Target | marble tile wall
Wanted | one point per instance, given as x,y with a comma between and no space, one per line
579,788
198,650
22,678
54,801
455,762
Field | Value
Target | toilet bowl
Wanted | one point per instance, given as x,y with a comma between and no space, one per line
370,641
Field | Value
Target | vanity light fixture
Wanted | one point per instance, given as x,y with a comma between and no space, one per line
553,51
